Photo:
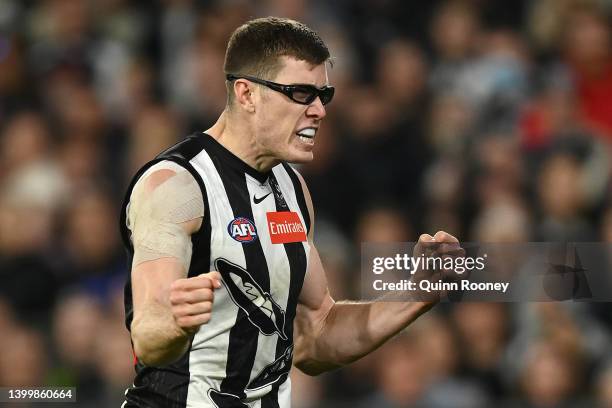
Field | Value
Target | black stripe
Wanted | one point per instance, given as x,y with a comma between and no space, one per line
161,387
296,256
270,400
187,148
200,257
167,386
299,193
244,335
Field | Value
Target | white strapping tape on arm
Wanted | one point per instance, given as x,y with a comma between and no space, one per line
155,217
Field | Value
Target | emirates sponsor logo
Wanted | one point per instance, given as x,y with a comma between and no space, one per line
285,227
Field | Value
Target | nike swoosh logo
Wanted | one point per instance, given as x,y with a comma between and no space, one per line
259,200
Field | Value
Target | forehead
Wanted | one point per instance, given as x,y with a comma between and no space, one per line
295,71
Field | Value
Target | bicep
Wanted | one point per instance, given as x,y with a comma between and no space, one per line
314,305
315,300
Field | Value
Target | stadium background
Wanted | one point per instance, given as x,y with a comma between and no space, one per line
489,119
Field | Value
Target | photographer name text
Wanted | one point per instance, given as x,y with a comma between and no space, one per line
428,286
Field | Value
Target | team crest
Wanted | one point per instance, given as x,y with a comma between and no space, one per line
242,230
261,309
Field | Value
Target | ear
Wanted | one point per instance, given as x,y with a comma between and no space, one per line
243,92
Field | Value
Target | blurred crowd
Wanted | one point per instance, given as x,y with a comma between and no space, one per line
491,120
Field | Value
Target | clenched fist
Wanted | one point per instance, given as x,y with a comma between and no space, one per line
192,300
441,245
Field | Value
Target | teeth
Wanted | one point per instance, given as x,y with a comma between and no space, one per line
306,139
308,132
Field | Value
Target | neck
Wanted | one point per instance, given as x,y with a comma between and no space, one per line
238,137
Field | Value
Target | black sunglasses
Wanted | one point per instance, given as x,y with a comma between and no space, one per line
303,94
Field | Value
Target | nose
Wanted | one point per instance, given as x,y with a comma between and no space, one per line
316,109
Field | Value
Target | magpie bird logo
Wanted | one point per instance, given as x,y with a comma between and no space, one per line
273,371
563,281
261,309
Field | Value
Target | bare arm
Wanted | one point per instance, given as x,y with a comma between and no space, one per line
168,307
157,338
330,334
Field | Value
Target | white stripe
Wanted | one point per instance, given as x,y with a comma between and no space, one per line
279,272
284,394
208,357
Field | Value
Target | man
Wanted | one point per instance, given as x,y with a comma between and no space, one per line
226,201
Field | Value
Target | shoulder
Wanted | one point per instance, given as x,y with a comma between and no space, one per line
161,172
186,149
166,190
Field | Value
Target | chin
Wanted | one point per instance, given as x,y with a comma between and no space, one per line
299,157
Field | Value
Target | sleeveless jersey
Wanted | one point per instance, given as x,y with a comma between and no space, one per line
254,233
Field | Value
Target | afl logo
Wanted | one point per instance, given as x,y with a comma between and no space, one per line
242,230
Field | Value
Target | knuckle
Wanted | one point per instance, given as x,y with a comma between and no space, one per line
175,298
174,286
425,237
445,236
209,294
178,283
205,281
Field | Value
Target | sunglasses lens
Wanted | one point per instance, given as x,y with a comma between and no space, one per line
304,95
326,95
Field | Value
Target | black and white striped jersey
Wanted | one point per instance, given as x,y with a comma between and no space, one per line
254,233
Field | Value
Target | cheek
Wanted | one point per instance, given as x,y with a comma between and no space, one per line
278,118
265,123
281,121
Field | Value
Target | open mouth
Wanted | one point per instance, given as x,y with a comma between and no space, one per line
307,135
